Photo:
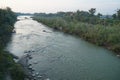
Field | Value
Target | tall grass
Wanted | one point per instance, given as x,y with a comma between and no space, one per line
108,36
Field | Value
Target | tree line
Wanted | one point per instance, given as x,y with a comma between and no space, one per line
85,16
96,28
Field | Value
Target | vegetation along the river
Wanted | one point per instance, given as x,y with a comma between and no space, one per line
96,28
7,64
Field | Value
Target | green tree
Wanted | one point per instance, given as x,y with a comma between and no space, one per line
114,16
92,11
99,15
118,14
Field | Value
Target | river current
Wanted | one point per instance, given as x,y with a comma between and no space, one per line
60,56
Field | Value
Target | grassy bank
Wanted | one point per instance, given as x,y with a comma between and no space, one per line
105,33
7,64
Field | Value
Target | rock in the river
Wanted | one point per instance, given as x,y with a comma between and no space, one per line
118,55
39,76
35,62
47,79
44,30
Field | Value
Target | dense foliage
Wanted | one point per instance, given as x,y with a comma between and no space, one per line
103,31
7,64
7,20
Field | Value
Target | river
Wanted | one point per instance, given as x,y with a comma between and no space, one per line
60,56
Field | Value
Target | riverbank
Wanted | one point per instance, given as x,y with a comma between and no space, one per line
27,67
101,35
9,69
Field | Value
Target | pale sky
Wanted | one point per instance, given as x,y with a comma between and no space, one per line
52,6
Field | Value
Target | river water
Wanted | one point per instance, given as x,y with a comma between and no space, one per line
59,56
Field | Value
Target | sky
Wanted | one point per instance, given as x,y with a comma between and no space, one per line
52,6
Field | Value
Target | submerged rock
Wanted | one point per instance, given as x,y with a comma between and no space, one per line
35,62
30,51
47,79
118,55
39,76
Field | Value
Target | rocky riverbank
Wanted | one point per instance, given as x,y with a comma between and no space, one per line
24,61
30,73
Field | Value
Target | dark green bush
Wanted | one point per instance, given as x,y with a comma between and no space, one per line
7,64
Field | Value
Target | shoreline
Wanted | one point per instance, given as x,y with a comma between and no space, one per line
27,67
29,72
104,45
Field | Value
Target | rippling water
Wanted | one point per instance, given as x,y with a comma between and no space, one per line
59,56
